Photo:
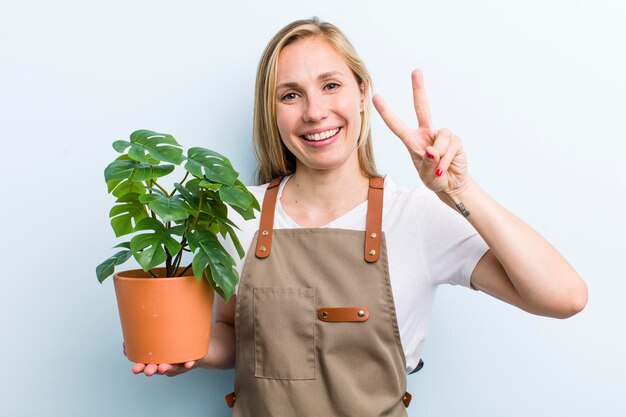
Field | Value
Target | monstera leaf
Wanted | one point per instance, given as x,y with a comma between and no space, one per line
124,168
167,208
214,262
240,199
126,214
122,187
147,146
204,163
147,248
106,268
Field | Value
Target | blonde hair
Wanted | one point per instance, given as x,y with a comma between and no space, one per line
274,159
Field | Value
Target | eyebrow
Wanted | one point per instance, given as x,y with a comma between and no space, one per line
320,77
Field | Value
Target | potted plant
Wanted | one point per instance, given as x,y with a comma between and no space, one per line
165,307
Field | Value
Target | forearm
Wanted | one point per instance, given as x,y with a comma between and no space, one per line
542,277
221,347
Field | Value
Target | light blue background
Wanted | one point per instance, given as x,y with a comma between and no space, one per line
535,89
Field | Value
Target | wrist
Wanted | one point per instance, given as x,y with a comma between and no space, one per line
455,198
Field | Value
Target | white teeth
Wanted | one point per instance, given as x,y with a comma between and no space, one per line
322,135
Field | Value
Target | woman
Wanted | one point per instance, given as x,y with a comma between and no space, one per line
336,291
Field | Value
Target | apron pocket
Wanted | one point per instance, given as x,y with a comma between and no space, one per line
284,333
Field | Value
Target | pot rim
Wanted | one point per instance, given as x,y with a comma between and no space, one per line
121,275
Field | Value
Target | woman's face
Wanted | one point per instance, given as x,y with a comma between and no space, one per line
318,105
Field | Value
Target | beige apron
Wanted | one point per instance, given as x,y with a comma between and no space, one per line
315,322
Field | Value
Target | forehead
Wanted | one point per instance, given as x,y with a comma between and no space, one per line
306,58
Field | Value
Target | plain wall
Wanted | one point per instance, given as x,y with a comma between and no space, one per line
536,90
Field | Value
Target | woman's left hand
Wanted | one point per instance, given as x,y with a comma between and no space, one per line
438,155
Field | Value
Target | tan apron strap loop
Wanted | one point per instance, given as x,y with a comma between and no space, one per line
230,399
373,224
343,314
264,240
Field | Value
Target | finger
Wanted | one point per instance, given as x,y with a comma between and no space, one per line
190,364
445,162
443,137
392,121
165,367
138,368
432,158
443,142
453,150
420,100
150,369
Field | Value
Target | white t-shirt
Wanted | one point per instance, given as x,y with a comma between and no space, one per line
428,244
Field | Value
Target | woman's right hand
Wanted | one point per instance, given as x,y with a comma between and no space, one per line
166,369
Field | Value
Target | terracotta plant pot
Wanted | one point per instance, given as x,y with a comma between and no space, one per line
164,320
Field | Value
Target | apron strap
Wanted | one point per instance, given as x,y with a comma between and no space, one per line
373,224
264,241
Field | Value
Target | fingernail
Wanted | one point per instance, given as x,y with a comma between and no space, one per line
438,172
429,155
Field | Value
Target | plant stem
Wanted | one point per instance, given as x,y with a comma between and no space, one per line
160,188
181,183
168,263
185,270
151,273
179,256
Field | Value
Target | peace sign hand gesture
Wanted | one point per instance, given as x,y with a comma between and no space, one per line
438,155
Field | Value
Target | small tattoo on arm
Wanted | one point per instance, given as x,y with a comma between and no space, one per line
462,209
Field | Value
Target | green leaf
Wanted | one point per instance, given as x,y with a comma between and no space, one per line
146,144
127,214
209,185
205,163
223,274
135,171
215,206
126,187
121,145
255,204
148,248
106,268
167,208
235,196
199,264
240,199
190,196
233,236
214,228
112,184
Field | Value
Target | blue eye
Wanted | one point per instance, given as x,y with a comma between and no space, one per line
289,96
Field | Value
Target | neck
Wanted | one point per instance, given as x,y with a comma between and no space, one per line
345,185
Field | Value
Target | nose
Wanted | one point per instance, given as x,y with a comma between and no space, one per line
315,109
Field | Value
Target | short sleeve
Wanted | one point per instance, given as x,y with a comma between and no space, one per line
451,245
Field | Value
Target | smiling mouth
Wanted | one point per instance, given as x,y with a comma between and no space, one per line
322,135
